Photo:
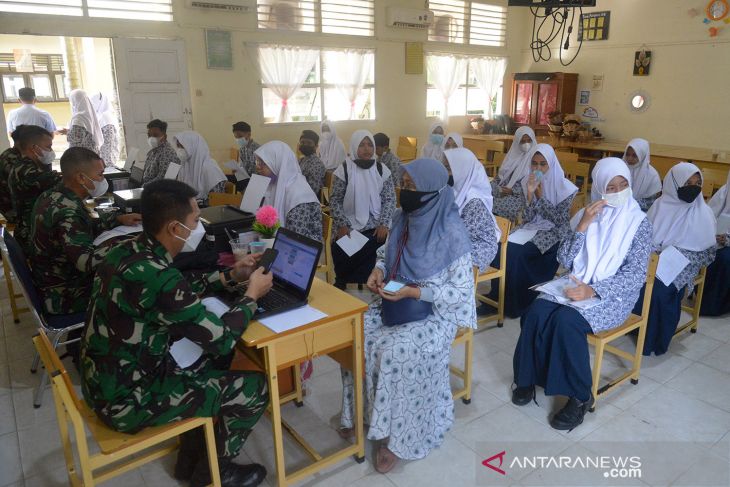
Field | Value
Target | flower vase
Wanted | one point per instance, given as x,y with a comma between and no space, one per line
268,241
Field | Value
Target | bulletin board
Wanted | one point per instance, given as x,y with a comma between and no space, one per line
594,26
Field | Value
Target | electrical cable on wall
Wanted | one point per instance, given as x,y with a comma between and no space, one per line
556,20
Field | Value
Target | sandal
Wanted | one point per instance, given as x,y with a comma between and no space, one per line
385,459
346,433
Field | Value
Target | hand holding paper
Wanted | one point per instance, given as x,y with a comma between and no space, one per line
352,243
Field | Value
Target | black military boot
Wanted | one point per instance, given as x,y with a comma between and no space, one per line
192,450
232,474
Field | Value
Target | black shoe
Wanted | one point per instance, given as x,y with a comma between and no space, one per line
192,450
341,285
523,395
232,474
485,309
571,415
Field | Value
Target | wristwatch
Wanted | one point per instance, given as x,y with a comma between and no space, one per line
250,303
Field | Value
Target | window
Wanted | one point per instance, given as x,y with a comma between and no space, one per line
160,10
47,78
468,22
349,17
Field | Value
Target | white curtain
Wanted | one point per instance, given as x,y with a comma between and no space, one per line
489,73
284,70
446,74
351,72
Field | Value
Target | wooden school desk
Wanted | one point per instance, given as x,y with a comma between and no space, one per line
339,335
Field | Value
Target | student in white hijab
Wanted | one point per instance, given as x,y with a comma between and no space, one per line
507,186
109,150
647,185
289,192
198,169
606,253
452,141
546,218
682,220
432,147
716,298
473,196
363,199
84,129
331,148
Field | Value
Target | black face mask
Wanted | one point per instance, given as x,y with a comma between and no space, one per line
364,163
307,150
450,182
410,201
689,193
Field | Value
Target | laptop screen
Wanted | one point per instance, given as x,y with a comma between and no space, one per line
295,262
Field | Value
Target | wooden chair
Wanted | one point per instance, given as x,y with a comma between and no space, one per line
119,452
578,173
663,164
492,273
327,266
397,196
221,199
484,150
464,336
601,341
712,180
694,310
407,149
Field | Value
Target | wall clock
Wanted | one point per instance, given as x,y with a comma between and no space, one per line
717,9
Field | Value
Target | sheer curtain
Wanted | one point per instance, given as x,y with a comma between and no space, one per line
284,70
489,73
349,71
446,73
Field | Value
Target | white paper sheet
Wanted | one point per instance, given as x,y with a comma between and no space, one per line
352,244
254,193
185,352
238,171
521,236
117,232
131,157
557,287
723,224
215,306
172,171
292,319
671,263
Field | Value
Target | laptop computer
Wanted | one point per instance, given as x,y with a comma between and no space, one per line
294,270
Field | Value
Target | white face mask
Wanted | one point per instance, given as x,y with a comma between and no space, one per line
193,240
153,142
182,154
99,187
48,157
617,200
526,146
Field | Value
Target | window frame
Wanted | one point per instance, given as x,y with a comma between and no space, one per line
466,29
83,9
38,59
317,16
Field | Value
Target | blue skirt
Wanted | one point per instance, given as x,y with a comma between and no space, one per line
552,351
526,266
716,297
664,313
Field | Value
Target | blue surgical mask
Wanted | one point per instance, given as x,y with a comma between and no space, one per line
538,174
242,142
436,139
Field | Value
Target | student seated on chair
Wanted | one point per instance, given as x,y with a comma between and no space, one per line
607,255
9,158
331,148
30,176
198,169
363,199
433,148
246,146
311,165
508,186
647,185
63,256
161,153
549,196
295,202
716,297
682,220
452,141
473,196
140,305
408,335
386,157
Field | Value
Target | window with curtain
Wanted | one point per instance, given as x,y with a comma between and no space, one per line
160,10
47,78
306,84
482,23
348,17
460,85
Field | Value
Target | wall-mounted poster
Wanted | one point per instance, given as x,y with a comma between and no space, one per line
218,50
642,63
585,97
594,26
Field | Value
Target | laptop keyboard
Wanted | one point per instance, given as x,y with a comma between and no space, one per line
273,299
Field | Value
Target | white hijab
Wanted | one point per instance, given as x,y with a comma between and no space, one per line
456,138
646,181
516,164
470,181
331,149
103,108
609,236
690,226
362,195
431,150
200,170
83,115
720,201
290,189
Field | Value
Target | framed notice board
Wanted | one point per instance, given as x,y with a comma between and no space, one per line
594,26
218,49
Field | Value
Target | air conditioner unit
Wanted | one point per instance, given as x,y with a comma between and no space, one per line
409,18
239,6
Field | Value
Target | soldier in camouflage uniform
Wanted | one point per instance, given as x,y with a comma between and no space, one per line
30,177
63,256
8,159
140,305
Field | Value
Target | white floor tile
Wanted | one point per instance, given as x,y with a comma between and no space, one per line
704,383
11,470
719,358
694,346
663,367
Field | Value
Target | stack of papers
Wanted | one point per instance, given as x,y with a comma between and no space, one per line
117,232
556,288
292,319
351,244
671,263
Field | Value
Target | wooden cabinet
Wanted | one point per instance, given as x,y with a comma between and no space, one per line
535,95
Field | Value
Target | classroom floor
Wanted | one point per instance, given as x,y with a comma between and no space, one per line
682,400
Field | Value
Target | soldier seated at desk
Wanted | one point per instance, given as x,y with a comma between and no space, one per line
141,305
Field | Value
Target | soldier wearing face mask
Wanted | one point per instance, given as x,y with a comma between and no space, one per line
311,165
161,153
31,176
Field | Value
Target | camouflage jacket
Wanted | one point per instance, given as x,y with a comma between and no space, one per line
139,307
63,256
28,179
8,159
